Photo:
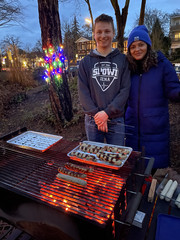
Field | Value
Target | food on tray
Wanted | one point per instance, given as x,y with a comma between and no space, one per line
177,202
71,173
78,168
171,191
101,154
111,158
72,179
100,149
89,148
165,189
83,155
111,154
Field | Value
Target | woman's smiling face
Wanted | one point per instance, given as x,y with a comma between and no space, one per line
138,50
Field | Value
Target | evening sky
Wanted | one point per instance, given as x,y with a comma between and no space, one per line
28,31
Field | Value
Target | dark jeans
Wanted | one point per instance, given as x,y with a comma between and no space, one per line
115,134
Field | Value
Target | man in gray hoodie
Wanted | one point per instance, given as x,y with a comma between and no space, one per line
103,84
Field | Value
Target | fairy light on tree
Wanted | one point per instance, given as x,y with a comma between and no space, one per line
54,62
54,75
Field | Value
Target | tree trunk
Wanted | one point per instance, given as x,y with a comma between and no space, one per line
59,93
0,64
142,13
121,22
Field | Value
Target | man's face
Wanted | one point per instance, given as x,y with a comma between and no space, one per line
103,35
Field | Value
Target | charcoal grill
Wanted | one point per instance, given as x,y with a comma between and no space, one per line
91,212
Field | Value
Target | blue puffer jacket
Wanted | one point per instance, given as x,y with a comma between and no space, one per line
147,110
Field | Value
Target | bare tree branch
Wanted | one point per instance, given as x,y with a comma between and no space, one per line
120,21
10,11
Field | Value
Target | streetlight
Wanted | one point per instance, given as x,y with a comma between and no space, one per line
89,21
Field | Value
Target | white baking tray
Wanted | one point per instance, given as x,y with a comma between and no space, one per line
98,161
35,140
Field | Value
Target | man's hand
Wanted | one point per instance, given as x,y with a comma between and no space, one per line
103,127
101,121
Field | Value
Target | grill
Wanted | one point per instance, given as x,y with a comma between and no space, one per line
95,208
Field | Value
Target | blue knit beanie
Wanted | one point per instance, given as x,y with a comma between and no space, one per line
139,33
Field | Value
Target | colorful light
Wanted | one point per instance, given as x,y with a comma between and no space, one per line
54,60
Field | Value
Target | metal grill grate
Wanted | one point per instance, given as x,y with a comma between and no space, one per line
36,178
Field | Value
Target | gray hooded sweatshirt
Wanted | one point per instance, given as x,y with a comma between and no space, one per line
104,83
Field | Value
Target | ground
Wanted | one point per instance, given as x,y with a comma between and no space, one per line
32,110
32,113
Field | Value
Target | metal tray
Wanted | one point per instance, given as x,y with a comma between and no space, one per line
98,161
35,140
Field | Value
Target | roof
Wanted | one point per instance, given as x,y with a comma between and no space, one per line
83,39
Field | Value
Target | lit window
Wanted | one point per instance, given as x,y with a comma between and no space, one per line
177,35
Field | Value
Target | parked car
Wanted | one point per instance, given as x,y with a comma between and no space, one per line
177,69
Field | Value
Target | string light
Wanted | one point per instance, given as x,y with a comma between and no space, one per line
54,61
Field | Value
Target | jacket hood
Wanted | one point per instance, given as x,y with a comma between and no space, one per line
94,53
161,56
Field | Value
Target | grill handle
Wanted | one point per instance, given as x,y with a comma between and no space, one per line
149,167
133,206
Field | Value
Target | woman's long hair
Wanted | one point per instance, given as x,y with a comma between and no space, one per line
148,61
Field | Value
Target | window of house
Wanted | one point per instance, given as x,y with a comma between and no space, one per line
78,46
177,36
88,46
83,46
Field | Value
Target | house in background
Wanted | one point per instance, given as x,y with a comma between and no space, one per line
175,32
85,44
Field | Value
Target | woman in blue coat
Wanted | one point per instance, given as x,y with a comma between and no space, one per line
153,83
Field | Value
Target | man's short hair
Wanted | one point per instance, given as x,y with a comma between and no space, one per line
104,18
